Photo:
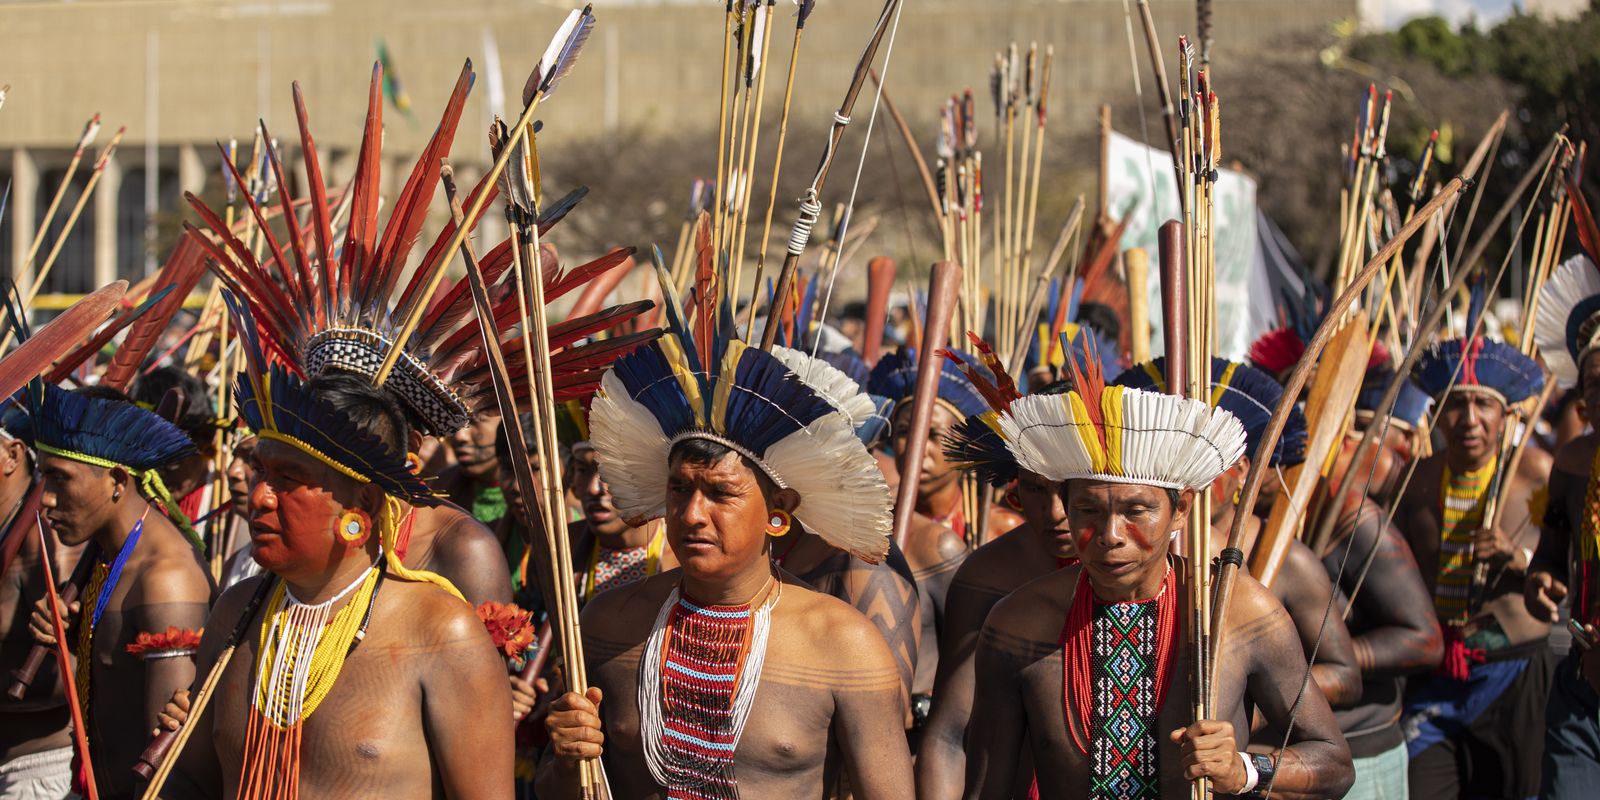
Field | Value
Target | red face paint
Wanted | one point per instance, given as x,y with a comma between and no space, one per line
291,516
1137,535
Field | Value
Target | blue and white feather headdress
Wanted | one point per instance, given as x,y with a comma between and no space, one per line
1568,324
793,419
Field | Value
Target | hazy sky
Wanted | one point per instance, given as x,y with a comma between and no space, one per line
1394,12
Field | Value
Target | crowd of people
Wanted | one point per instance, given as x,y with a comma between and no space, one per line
374,536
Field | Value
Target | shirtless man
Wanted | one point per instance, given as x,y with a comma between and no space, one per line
820,696
1474,727
1039,546
405,717
35,741
1028,698
97,457
1393,628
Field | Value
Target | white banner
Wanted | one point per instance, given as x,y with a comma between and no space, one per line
1136,175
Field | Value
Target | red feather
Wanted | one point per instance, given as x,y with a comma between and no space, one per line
182,271
287,270
1583,220
419,279
48,343
316,290
356,262
706,290
321,223
411,205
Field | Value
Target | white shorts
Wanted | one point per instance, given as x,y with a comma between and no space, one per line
38,776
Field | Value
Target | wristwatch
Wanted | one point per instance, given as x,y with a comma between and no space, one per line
1265,770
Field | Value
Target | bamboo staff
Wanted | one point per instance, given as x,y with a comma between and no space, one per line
753,136
733,12
944,280
1137,262
90,130
64,664
557,63
801,16
1041,288
810,206
161,755
101,161
880,282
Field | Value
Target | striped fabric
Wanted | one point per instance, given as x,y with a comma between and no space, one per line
1464,498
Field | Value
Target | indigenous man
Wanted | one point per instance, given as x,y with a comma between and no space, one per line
135,626
1395,632
1567,563
1302,586
473,481
35,741
722,678
936,545
355,676
1039,546
1472,728
1082,667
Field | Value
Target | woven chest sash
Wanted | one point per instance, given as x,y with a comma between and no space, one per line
1116,664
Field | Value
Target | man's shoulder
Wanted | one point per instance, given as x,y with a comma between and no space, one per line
1253,604
994,567
1037,609
614,611
432,615
172,576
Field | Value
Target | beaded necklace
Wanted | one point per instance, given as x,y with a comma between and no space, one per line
1461,516
697,685
103,581
611,569
302,651
1111,689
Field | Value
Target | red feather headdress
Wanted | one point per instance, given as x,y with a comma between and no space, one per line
321,306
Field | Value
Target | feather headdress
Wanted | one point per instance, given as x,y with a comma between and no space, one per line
1247,393
1122,435
1568,325
1411,406
895,377
325,307
789,422
1479,364
106,433
976,443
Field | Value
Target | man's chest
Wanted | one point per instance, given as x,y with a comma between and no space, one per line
367,728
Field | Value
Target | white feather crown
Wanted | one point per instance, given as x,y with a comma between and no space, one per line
1568,323
1125,436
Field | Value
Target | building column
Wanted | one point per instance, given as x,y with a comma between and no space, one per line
191,171
105,223
24,209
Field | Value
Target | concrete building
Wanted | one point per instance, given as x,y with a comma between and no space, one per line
184,74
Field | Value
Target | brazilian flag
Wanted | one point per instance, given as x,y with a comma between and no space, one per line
392,87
